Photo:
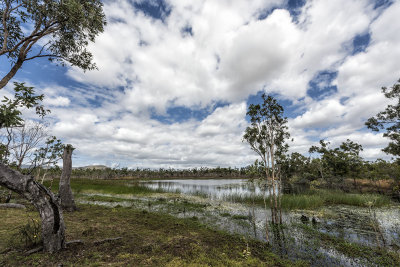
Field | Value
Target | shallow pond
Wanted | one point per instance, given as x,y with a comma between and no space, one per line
208,201
212,188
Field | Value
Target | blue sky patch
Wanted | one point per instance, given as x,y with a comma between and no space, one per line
157,9
187,30
179,114
361,42
290,110
382,3
321,85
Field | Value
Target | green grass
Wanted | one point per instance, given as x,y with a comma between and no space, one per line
318,198
375,255
148,239
308,200
120,187
102,198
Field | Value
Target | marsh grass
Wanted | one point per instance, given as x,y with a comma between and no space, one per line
316,199
312,199
118,187
376,256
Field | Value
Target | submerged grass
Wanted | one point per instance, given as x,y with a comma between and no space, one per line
312,199
376,256
148,239
119,187
316,199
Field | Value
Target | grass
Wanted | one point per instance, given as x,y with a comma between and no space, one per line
119,187
312,199
148,239
318,198
377,256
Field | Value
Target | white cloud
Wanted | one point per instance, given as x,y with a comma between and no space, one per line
59,101
231,55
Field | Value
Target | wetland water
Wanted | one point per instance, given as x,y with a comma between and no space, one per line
209,202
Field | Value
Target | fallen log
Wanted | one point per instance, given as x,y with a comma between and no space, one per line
106,240
12,206
34,250
74,242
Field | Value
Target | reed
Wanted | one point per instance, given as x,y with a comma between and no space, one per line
316,199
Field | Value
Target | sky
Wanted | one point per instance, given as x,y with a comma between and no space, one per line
175,78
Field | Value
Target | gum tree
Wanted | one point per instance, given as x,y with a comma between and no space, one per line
266,136
59,30
389,120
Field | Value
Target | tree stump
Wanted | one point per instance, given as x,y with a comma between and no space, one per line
65,192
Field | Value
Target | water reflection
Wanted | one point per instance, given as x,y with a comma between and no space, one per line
215,189
352,224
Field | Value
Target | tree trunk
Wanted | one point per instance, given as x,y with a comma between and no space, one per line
65,192
53,227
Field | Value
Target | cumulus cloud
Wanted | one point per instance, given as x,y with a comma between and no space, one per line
204,53
57,101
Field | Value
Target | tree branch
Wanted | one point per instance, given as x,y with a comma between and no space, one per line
46,55
5,16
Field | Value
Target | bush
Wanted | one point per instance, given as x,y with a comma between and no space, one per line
28,235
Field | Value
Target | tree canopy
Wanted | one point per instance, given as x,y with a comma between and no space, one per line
268,131
63,27
389,120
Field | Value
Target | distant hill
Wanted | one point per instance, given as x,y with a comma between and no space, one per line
94,167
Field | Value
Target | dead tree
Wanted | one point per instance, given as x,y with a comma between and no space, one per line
65,193
53,228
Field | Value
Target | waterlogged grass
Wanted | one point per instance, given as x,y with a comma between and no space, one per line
317,199
100,198
376,256
148,239
308,200
119,187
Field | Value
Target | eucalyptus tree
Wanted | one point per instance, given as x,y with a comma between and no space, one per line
59,30
336,164
389,120
266,136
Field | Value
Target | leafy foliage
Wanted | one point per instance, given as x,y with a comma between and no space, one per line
268,131
66,26
338,163
389,120
10,110
70,24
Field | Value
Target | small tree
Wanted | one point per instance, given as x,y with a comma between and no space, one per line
266,136
338,163
47,156
24,141
43,199
389,120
